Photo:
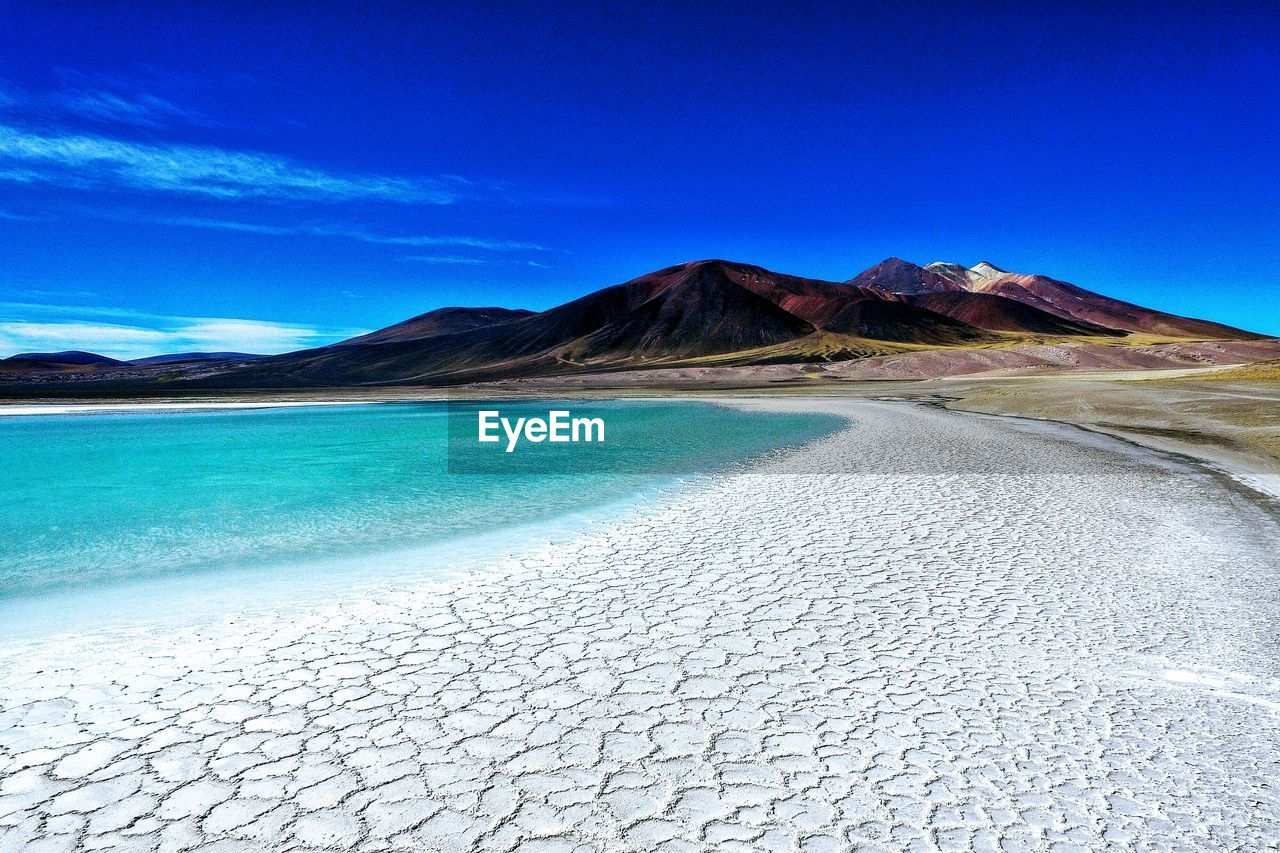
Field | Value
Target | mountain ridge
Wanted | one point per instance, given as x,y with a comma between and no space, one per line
712,311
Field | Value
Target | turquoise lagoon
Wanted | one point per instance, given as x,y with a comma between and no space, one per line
131,501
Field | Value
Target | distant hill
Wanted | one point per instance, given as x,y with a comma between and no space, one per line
68,360
67,357
714,313
179,357
77,360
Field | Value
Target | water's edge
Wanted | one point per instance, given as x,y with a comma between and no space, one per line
211,595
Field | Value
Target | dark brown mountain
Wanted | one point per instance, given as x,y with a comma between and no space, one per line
903,322
682,312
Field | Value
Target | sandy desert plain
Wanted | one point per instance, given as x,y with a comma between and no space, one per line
932,629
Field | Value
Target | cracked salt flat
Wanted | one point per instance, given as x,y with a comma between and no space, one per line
946,632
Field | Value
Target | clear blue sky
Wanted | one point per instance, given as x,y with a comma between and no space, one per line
252,178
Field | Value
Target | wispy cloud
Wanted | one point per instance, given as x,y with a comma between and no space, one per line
103,99
427,240
140,109
150,334
102,137
351,232
447,260
453,260
92,161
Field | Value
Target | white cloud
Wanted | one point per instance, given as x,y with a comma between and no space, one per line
220,334
90,161
155,334
86,335
106,339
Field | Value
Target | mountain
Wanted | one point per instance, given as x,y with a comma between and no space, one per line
67,359
965,278
1051,296
895,275
680,314
180,357
702,313
441,321
991,311
903,322
73,356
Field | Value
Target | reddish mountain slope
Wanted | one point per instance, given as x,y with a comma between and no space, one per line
991,311
1070,302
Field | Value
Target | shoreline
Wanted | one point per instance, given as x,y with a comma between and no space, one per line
1212,449
200,593
1262,486
208,595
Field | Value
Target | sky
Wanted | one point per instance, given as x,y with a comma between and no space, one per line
259,178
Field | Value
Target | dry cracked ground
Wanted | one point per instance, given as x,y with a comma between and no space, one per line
927,631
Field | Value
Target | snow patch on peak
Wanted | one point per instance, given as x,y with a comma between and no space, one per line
986,269
975,278
952,272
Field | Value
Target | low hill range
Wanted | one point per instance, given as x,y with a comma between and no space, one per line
68,359
702,313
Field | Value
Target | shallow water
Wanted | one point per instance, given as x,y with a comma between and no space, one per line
104,498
